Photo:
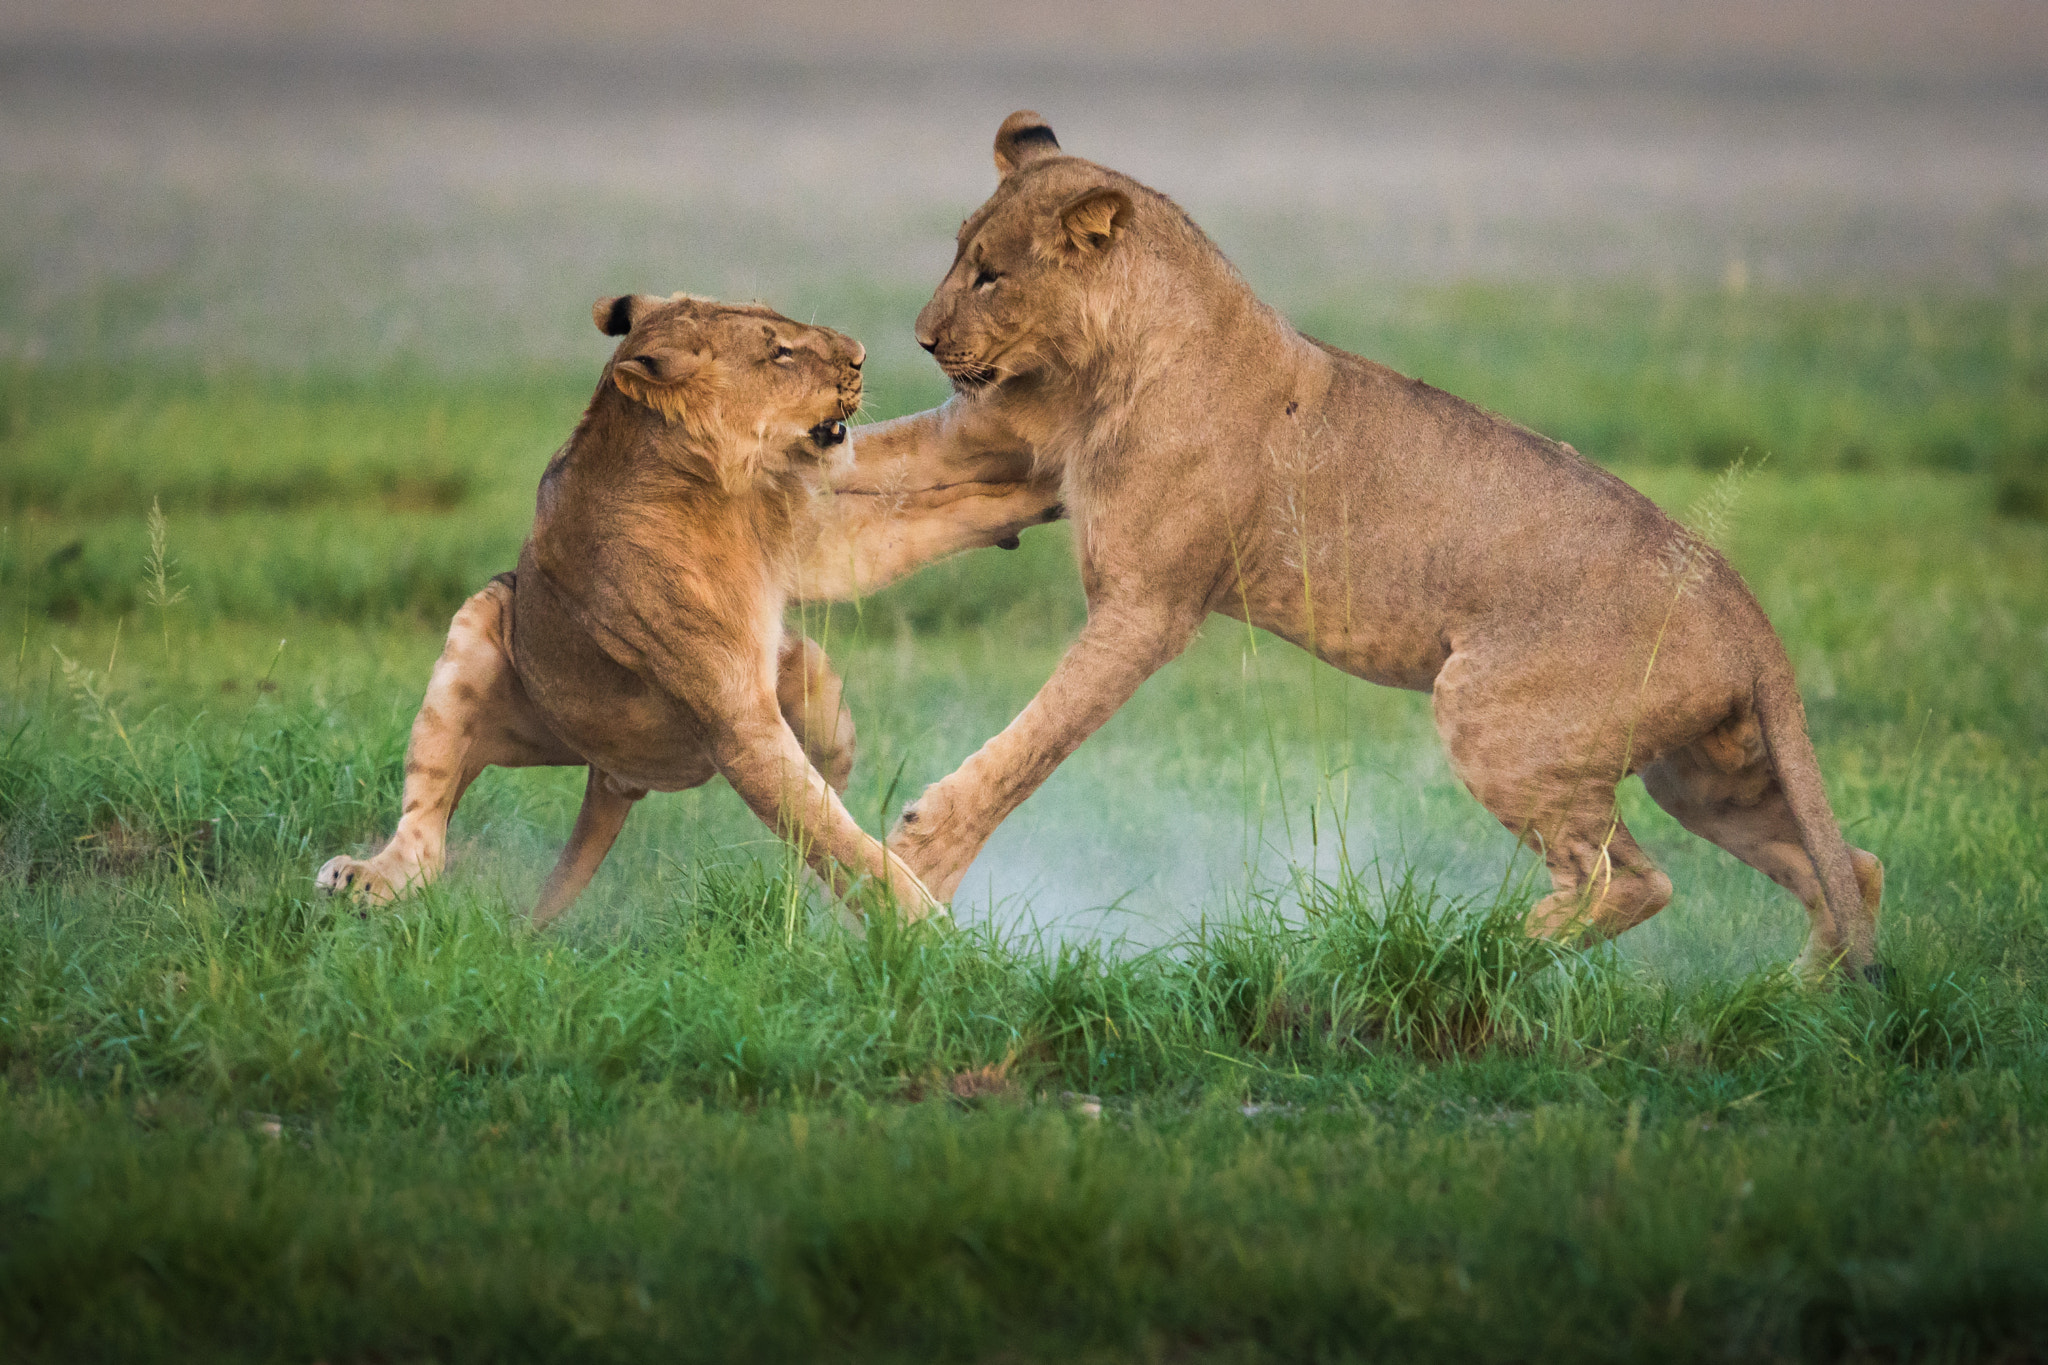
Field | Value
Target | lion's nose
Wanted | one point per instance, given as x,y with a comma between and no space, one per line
927,329
860,354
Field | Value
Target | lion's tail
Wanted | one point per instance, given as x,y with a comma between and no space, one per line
1783,719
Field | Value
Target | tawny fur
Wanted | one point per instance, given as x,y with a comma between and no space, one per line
1214,459
706,487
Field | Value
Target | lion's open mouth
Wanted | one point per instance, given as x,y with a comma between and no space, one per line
829,433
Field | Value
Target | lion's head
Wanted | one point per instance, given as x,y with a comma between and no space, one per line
1041,266
756,394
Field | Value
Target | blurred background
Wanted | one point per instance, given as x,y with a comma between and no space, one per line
294,184
315,280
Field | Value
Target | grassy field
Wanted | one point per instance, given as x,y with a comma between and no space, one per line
1236,1054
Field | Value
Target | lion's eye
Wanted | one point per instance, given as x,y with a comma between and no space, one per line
781,353
985,278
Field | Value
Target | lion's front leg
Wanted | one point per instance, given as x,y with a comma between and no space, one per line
866,541
921,488
765,764
812,700
475,714
942,831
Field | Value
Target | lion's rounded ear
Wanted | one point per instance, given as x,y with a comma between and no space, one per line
616,313
1023,139
663,365
1093,220
668,380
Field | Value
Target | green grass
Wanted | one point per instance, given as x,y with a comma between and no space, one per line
1303,1092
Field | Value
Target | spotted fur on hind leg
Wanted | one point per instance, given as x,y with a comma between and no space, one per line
475,715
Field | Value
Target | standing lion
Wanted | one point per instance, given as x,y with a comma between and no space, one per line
1214,459
710,483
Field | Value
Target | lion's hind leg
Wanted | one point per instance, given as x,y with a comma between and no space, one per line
1602,882
606,804
1552,784
1741,807
475,714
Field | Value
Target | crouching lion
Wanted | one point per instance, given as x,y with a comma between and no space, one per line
1214,459
710,482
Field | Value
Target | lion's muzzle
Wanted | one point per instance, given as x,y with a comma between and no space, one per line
966,371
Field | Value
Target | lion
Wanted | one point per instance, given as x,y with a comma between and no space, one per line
1214,459
711,481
